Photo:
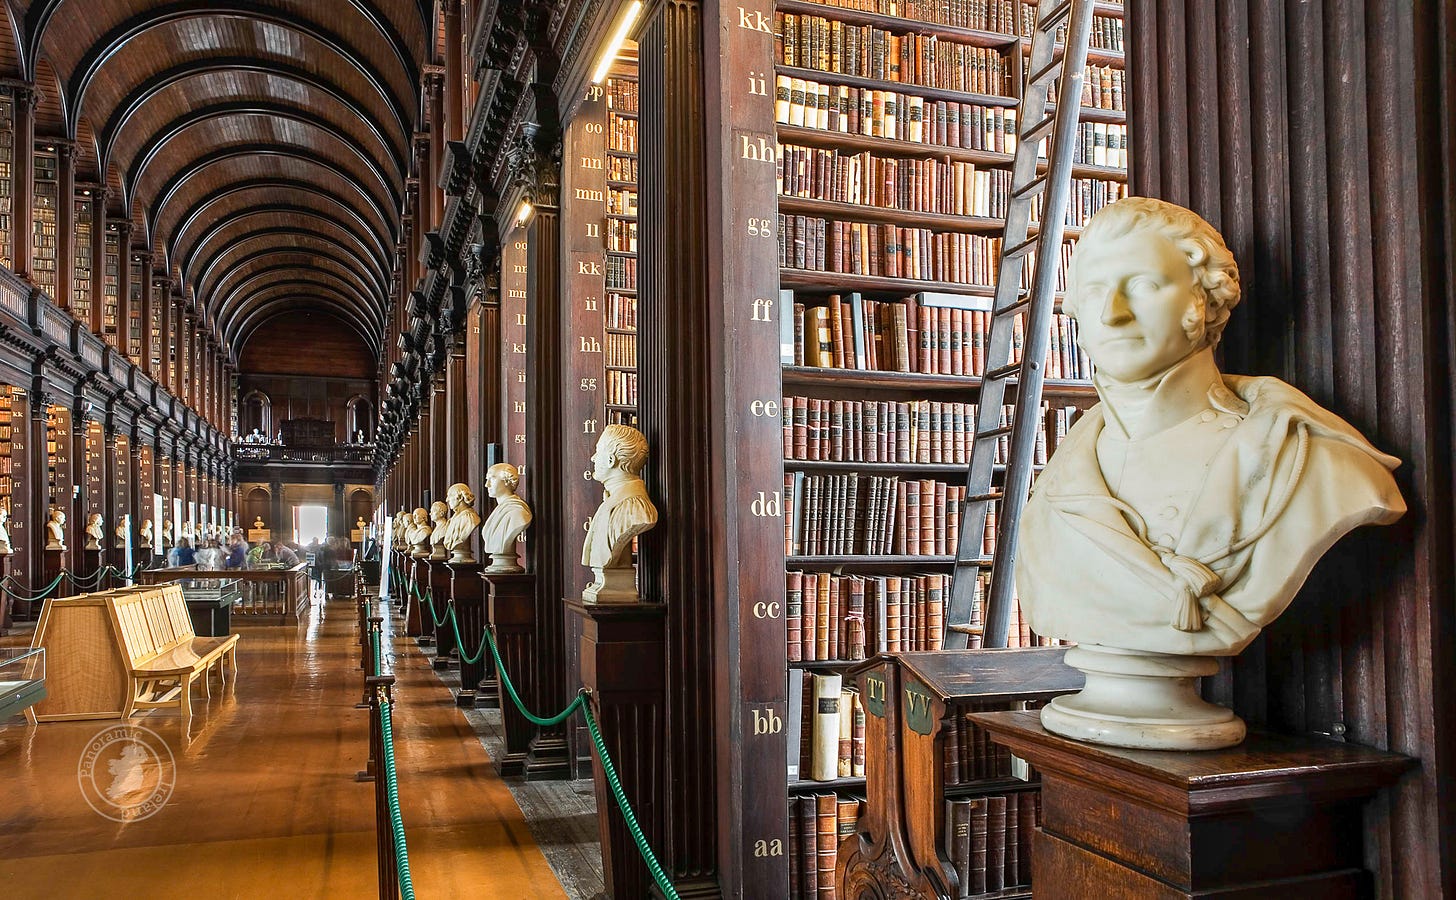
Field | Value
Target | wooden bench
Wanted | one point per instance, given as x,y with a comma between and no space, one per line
164,656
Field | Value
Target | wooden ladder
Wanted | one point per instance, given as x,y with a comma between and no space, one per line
1053,185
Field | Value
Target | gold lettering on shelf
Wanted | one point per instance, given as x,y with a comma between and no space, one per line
768,505
517,348
515,294
757,84
588,384
589,426
590,162
520,439
594,128
590,195
758,149
590,344
593,93
521,319
753,21
769,610
521,245
761,408
760,227
766,721
518,406
591,304
521,376
521,270
762,309
588,268
774,847
593,230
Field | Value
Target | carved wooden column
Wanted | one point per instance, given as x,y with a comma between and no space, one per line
66,223
538,169
440,455
21,230
100,231
454,73
459,424
435,100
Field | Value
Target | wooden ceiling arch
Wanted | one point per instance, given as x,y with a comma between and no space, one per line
261,147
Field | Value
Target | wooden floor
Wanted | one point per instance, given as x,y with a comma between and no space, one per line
265,803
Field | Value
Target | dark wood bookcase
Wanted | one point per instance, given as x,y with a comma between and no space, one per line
903,175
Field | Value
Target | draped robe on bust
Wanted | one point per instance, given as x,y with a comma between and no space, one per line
1284,481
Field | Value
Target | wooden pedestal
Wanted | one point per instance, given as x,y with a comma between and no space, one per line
622,662
5,612
91,563
478,684
439,597
512,611
1274,818
55,562
419,581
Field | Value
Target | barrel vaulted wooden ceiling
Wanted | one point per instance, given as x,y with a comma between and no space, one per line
260,148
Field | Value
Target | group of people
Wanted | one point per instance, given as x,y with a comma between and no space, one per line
256,436
235,554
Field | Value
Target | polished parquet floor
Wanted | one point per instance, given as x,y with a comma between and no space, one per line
265,804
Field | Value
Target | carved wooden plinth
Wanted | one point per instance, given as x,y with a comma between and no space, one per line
91,563
419,581
54,562
1273,817
439,598
512,610
622,662
478,685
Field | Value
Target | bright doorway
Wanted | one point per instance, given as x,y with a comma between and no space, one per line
310,523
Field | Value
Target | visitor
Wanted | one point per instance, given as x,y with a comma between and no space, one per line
260,554
286,555
237,555
210,556
182,554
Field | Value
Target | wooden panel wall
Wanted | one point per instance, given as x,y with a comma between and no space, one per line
1318,137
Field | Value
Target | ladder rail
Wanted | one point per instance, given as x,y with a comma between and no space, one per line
1025,418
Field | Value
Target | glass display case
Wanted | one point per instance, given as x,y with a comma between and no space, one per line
22,679
210,603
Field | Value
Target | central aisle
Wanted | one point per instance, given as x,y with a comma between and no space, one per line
265,803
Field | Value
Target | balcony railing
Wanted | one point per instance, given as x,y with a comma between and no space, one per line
358,454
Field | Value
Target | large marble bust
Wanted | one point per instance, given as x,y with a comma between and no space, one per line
56,530
439,516
123,531
146,534
507,521
625,512
400,530
5,548
166,532
463,521
419,533
1182,513
95,532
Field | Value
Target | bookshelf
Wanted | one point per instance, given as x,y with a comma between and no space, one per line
95,470
10,427
620,331
44,217
81,277
896,125
58,459
110,280
7,178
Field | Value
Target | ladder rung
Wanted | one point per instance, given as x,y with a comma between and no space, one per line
1033,187
1021,249
1013,307
977,561
1055,17
1038,131
994,495
964,629
993,433
1001,372
1046,72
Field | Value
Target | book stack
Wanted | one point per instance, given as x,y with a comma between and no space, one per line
621,273
984,15
885,250
864,51
970,754
917,185
818,823
988,840
871,515
824,728
621,312
888,113
852,617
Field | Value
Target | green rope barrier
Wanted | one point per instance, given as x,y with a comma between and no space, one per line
378,664
45,592
396,817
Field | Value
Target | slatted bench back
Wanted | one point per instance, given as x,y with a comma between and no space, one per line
176,608
133,628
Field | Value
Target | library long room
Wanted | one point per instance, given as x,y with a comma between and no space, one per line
761,449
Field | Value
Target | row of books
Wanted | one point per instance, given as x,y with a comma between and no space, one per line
1101,144
621,202
871,515
818,823
621,273
891,114
1007,17
622,94
882,249
824,730
864,51
621,388
1103,87
622,168
834,618
621,236
988,840
621,311
1018,634
920,334
621,350
816,429
621,133
1088,196
970,754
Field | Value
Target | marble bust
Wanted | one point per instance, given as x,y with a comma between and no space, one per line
463,521
95,532
507,521
5,548
402,524
166,532
625,512
419,533
56,530
123,530
146,534
258,523
439,516
1183,512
